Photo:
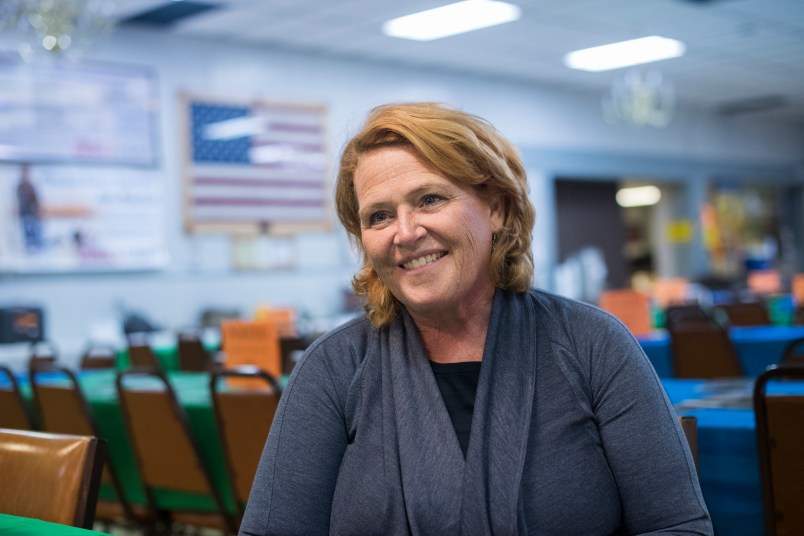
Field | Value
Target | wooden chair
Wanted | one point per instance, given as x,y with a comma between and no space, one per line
780,442
98,356
140,353
690,313
42,354
703,351
746,314
244,417
167,451
689,424
63,409
13,411
53,477
793,353
193,357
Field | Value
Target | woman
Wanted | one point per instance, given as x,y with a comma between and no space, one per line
463,402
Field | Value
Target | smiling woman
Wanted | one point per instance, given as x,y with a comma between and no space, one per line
427,415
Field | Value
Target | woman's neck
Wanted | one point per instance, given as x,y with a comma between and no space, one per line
461,337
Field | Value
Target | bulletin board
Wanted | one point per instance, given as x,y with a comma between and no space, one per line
65,112
254,167
72,218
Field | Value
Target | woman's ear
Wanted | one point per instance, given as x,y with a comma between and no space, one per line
499,210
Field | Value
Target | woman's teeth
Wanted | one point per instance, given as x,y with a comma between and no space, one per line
421,261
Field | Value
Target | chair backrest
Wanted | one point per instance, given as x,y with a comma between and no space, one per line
682,315
244,418
53,477
63,409
746,314
140,353
98,356
703,351
167,452
780,442
42,354
793,353
193,357
13,412
689,424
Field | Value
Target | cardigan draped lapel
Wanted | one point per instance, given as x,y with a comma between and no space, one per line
442,492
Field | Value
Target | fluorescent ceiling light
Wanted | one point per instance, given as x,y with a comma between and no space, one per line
624,54
638,196
451,19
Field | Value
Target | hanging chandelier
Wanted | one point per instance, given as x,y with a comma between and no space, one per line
55,28
640,98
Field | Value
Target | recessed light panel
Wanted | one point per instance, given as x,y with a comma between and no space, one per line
624,54
451,19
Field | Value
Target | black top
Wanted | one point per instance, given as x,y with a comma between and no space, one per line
458,385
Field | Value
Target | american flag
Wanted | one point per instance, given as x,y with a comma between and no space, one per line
262,165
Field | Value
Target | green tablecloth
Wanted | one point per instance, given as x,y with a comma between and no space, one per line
25,526
192,389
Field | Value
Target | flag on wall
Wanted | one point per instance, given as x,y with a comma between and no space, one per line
261,166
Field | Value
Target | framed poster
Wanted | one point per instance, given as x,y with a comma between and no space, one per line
254,167
64,219
77,113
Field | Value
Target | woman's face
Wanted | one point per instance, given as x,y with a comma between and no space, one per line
427,236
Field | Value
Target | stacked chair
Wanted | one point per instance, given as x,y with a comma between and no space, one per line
780,442
52,477
62,408
244,416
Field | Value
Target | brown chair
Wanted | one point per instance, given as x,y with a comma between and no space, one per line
798,316
53,477
746,314
193,357
244,417
140,353
689,424
793,353
682,315
167,451
98,356
42,354
780,442
63,409
701,351
13,411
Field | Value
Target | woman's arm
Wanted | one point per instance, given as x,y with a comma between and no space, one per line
295,481
644,444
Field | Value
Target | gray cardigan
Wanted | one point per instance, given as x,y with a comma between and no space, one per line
571,434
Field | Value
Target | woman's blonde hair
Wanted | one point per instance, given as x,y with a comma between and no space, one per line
465,148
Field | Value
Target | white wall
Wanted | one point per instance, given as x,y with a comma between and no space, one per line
537,119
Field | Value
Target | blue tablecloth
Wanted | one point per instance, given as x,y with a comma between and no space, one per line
727,448
757,347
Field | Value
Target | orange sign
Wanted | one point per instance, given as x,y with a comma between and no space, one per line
252,343
631,307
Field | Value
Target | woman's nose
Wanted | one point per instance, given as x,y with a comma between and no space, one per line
408,230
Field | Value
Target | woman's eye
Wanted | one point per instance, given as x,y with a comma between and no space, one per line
378,217
431,199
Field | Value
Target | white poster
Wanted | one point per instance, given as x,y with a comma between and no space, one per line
60,219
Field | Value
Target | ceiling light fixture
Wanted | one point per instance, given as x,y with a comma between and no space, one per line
638,196
640,99
451,19
55,28
624,54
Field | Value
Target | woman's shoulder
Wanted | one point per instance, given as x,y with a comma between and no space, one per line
571,312
338,351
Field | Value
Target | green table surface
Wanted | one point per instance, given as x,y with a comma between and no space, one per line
192,389
26,526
